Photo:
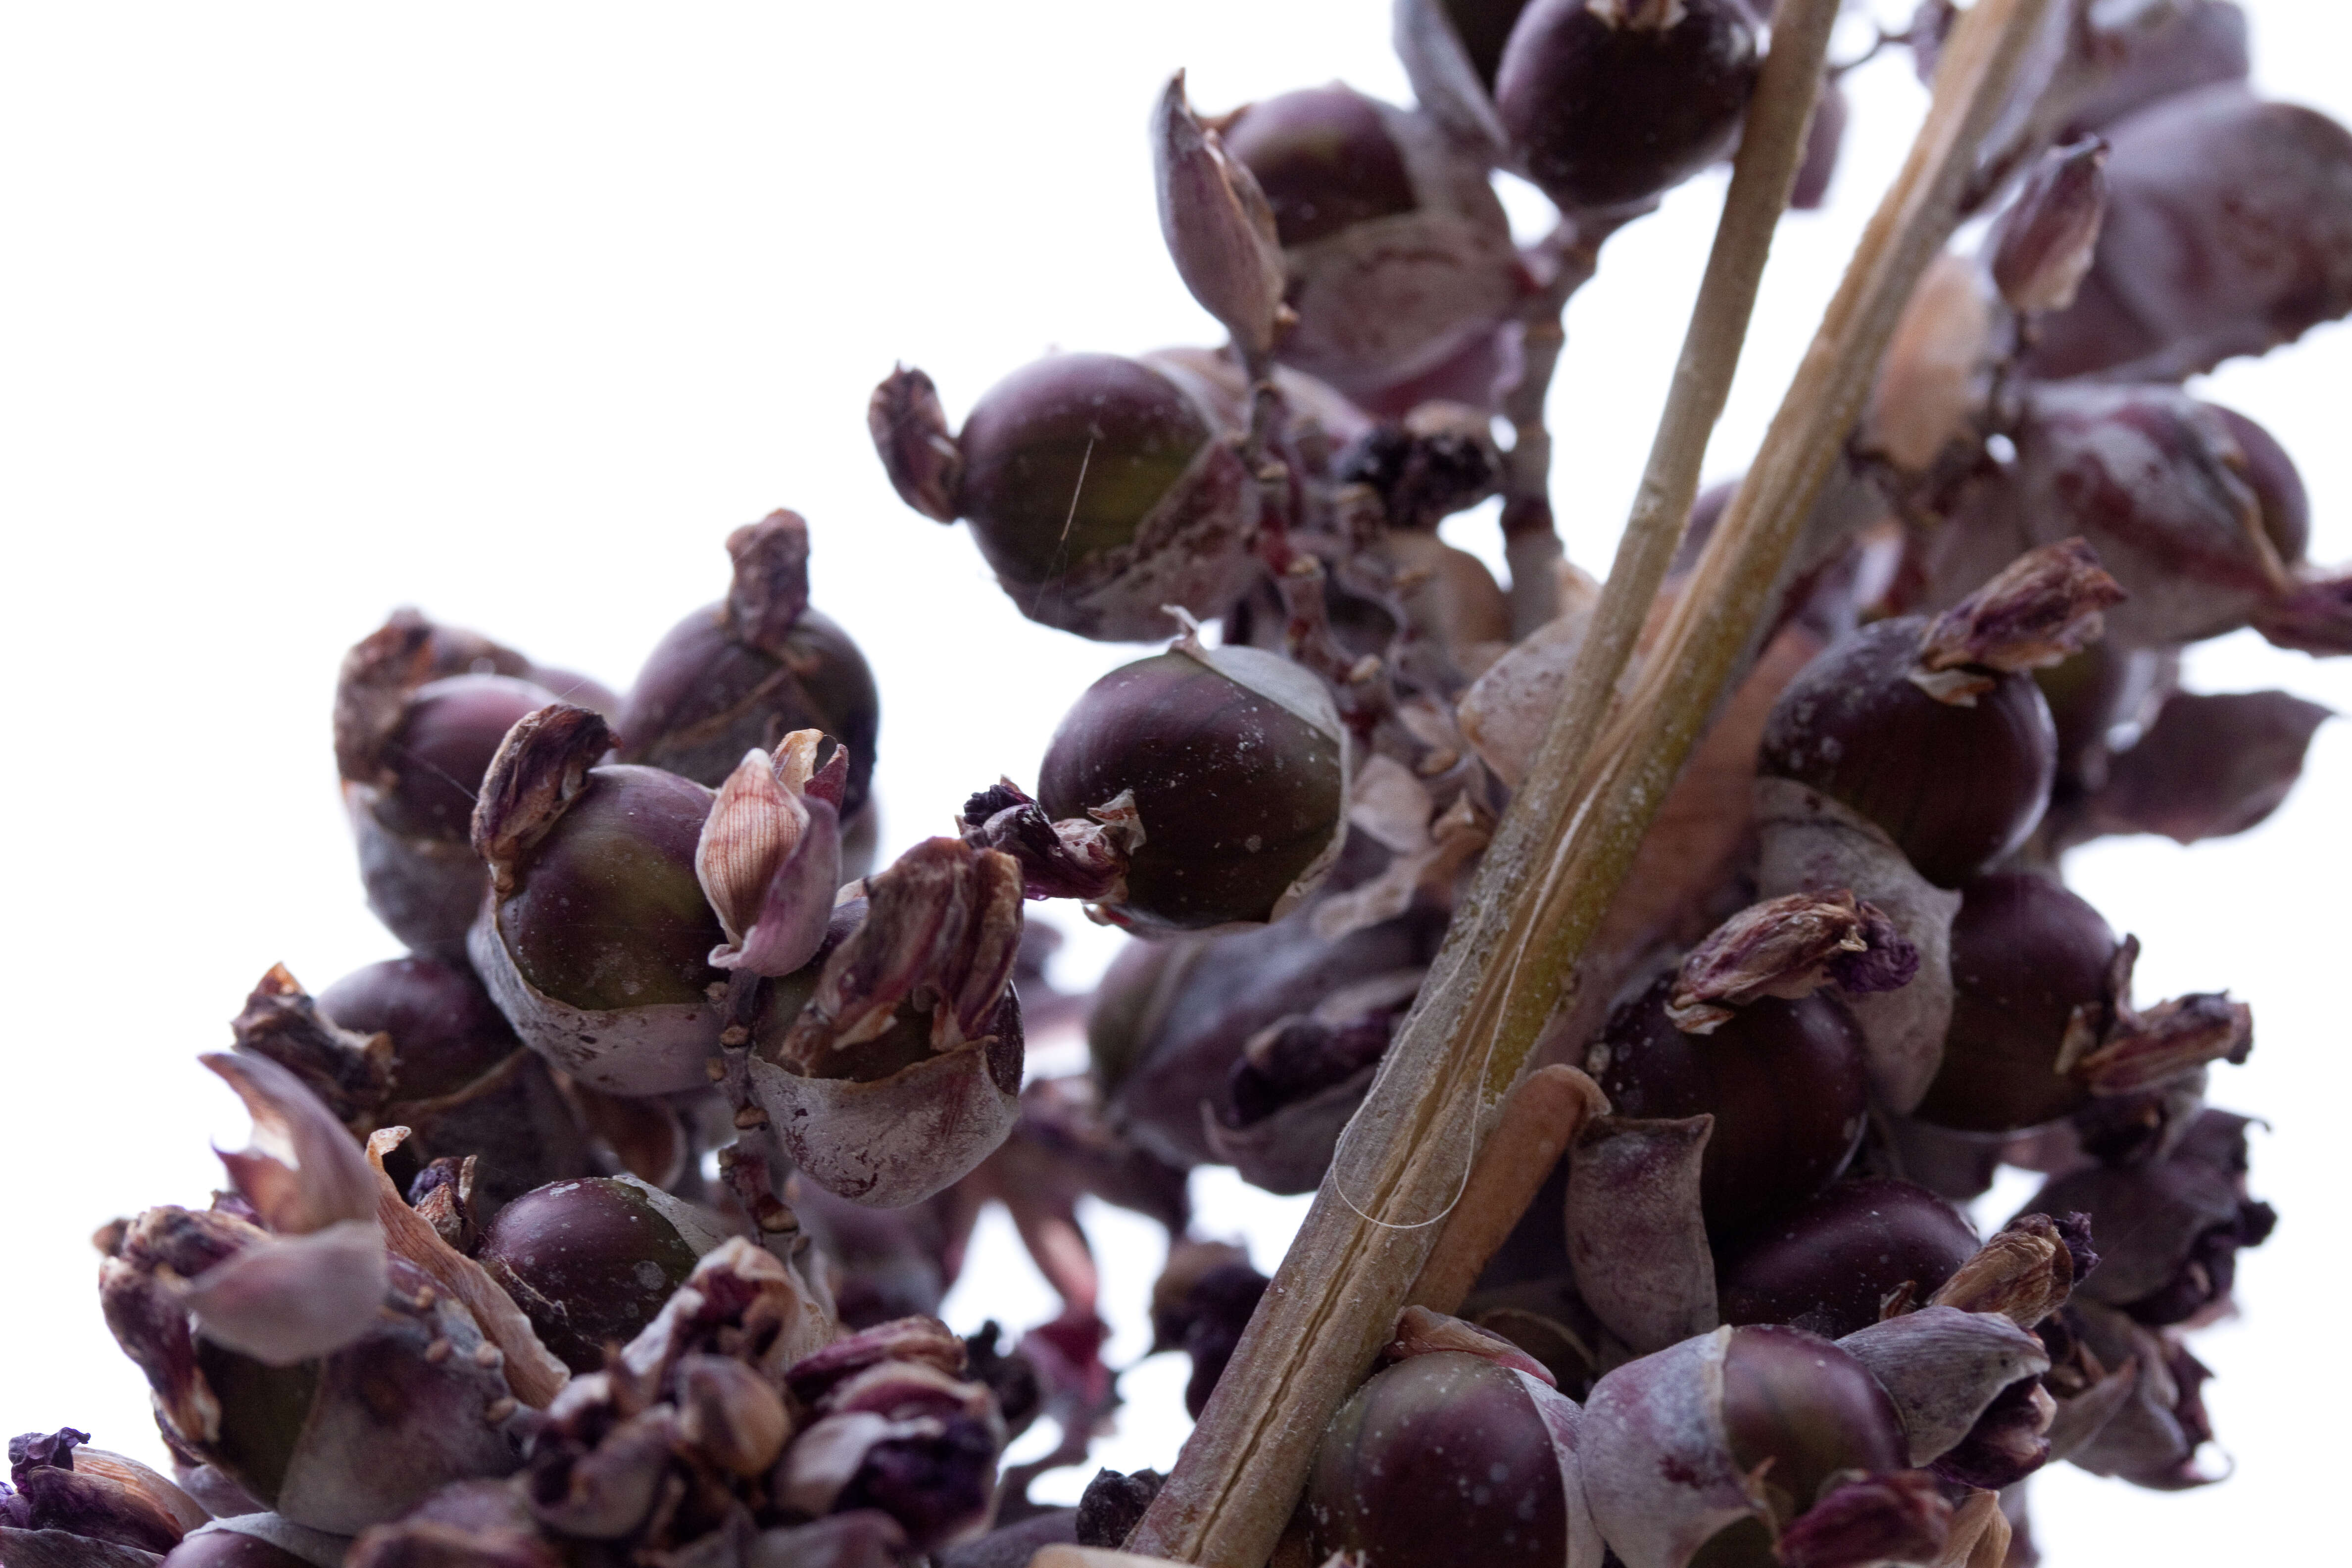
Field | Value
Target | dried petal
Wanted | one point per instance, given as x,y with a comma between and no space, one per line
290,1298
1658,1470
2045,607
2142,1049
604,1494
2045,240
1069,859
1635,1236
739,1298
917,448
1787,947
2024,1273
754,823
2208,766
1217,223
770,588
351,1073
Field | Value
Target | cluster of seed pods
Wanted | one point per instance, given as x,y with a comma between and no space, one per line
474,1294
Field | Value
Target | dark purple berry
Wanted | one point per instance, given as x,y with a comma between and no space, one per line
1829,1264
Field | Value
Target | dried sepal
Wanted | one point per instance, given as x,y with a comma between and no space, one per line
2042,608
1659,1474
1790,947
538,772
917,444
1942,1366
532,1372
1809,842
1078,858
770,589
2045,240
1217,225
742,1300
2208,766
90,1495
2142,1049
372,693
351,1073
919,1338
1636,1238
1900,1518
290,1298
2314,615
302,1172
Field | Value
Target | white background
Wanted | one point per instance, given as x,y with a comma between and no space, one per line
513,312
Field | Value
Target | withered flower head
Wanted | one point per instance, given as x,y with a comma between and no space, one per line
2043,607
1789,947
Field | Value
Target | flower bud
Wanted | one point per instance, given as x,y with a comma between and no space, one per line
1231,764
412,744
1447,1459
752,668
1955,786
596,938
590,1262
1398,255
891,1065
2208,766
1831,1265
1783,1079
1100,489
1216,223
2168,1230
2043,245
1609,102
2179,282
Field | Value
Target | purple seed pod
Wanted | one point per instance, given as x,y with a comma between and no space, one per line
1784,1080
1397,254
750,669
1609,103
1810,843
1863,720
2202,43
1226,769
1830,1266
2042,245
2042,1018
1219,229
2208,766
590,1262
1760,1444
597,936
891,1065
1173,1021
2180,281
336,1442
81,1505
1450,1458
2168,1229
2190,510
412,745
1099,489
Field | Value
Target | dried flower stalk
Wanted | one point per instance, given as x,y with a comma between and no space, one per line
1570,832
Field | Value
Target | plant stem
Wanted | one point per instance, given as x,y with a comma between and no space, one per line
1564,845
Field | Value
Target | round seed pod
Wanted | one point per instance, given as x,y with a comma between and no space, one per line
1608,102
1827,1266
1955,787
461,1081
596,939
752,668
1796,1402
227,1548
2277,484
1448,1460
1160,517
1233,764
590,1262
1785,1081
2027,954
1397,255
